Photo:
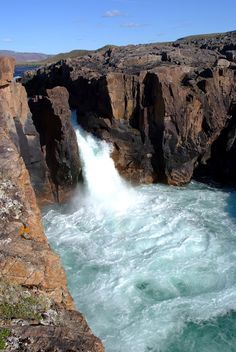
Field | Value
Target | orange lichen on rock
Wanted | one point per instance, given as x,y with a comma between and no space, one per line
25,257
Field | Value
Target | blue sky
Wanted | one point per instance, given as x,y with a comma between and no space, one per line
52,26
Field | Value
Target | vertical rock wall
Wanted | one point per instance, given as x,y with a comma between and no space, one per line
28,267
51,117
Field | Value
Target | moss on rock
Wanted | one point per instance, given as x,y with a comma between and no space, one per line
4,333
21,310
17,302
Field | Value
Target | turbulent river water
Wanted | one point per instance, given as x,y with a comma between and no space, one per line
152,268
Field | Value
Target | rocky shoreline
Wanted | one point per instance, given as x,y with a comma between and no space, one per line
170,112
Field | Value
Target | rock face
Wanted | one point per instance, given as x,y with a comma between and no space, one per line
73,335
161,105
51,117
45,140
6,70
16,117
193,115
31,321
220,167
26,258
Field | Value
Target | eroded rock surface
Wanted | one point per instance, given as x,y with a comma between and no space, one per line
16,120
221,167
51,117
25,257
31,321
7,65
45,140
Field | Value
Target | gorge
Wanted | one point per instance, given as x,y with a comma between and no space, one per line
152,267
149,257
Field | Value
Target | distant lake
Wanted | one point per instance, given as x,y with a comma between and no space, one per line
19,70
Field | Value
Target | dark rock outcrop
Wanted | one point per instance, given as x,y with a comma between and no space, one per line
221,167
132,157
51,117
161,105
193,115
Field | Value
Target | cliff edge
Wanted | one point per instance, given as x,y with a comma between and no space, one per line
37,312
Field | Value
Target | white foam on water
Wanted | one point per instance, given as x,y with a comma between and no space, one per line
106,190
156,270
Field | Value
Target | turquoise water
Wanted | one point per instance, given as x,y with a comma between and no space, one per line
155,272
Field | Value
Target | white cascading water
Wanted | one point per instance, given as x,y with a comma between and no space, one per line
152,269
105,188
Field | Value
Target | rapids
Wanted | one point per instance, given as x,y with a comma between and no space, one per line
152,268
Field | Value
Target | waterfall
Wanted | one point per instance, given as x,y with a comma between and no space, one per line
151,268
105,189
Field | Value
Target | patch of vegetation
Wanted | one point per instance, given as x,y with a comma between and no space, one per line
17,302
26,309
4,333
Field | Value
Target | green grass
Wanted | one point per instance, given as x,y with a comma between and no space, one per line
4,333
17,302
25,309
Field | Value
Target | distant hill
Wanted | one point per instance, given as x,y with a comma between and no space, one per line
74,53
24,57
61,56
48,59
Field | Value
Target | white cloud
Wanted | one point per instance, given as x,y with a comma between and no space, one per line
133,25
113,13
7,40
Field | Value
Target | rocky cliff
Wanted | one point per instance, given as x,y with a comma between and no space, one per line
51,118
168,109
46,139
163,106
36,310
